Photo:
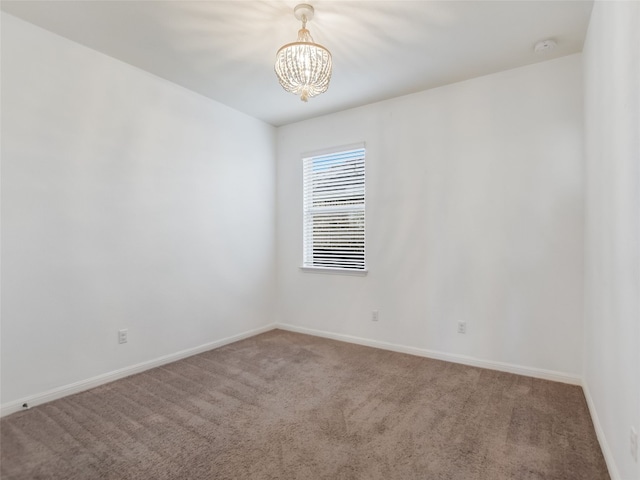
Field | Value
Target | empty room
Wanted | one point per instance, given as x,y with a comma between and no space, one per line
377,240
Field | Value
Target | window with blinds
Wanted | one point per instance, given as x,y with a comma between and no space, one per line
334,234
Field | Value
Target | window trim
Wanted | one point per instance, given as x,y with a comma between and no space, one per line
325,269
335,271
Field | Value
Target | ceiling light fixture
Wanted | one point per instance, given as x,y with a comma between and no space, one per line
304,67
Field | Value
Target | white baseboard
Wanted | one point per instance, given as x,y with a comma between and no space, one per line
63,391
38,399
602,439
59,392
448,357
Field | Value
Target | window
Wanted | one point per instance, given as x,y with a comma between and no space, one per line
334,235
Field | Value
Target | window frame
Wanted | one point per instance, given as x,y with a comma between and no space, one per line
307,211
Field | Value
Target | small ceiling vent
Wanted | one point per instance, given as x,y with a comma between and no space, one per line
545,46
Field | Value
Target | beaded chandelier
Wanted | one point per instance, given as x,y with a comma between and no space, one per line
304,67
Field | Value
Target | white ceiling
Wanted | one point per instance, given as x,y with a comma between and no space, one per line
381,49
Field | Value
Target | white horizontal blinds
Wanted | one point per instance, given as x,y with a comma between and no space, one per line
334,210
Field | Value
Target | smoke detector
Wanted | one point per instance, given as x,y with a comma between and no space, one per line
545,46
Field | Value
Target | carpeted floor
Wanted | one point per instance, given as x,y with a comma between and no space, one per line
288,406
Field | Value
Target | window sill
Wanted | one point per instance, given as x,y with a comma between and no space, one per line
334,271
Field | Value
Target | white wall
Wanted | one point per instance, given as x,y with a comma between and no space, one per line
474,213
612,247
127,202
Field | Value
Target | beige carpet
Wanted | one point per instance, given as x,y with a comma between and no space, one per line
288,406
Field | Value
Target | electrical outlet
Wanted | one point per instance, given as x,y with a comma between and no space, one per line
374,316
123,335
462,327
633,440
